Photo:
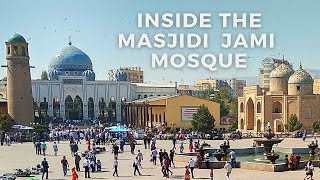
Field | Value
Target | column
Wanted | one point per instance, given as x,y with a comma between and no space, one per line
141,116
118,111
151,123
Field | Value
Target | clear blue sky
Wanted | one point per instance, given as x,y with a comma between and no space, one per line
296,25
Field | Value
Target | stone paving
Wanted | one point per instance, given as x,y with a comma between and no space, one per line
23,155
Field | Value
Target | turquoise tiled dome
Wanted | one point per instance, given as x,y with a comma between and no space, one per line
70,59
16,38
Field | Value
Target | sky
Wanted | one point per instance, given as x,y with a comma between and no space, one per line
94,27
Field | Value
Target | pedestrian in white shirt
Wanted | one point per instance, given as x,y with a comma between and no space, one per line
140,157
154,156
192,165
86,165
115,166
228,169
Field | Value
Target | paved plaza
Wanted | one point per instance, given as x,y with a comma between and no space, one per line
23,155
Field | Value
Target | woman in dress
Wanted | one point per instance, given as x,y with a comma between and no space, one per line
186,173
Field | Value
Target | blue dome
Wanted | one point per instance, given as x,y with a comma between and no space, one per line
90,75
121,75
54,75
70,59
16,38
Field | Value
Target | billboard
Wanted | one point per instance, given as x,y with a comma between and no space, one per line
187,112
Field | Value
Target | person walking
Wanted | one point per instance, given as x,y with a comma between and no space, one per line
309,170
65,165
74,174
297,159
154,156
192,165
186,173
228,169
77,160
174,140
171,157
148,142
44,148
132,146
136,166
145,142
233,156
115,166
211,174
45,168
55,148
86,165
161,157
140,157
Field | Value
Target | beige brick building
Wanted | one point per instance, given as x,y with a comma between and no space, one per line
290,92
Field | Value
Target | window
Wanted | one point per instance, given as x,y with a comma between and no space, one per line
75,73
139,96
15,50
67,73
308,113
298,88
8,50
145,96
23,53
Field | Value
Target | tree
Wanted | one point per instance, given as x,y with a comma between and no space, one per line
5,123
203,120
293,123
315,126
44,75
4,78
233,125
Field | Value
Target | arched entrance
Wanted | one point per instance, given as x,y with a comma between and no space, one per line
73,109
278,125
259,126
250,114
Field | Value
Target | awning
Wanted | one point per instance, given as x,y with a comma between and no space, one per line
120,129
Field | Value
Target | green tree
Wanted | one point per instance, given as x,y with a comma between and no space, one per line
4,78
315,126
233,125
293,123
44,75
203,119
5,123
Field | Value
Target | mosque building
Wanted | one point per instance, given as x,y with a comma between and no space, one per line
72,91
290,92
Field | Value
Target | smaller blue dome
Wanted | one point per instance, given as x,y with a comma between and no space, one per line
54,74
90,75
16,38
121,75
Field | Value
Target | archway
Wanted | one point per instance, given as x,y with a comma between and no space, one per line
258,125
73,109
43,108
241,107
90,108
277,107
250,114
1,96
259,107
112,109
278,125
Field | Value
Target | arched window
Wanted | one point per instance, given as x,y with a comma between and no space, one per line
1,96
259,107
241,107
308,113
277,107
139,96
145,96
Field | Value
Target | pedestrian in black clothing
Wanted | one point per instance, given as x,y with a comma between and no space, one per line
45,168
161,157
77,159
115,166
148,142
145,142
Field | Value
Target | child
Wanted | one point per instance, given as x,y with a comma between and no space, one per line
98,165
211,174
74,174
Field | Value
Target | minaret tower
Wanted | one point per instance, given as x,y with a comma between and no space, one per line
20,102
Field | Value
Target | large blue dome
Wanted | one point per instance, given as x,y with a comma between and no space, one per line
70,59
